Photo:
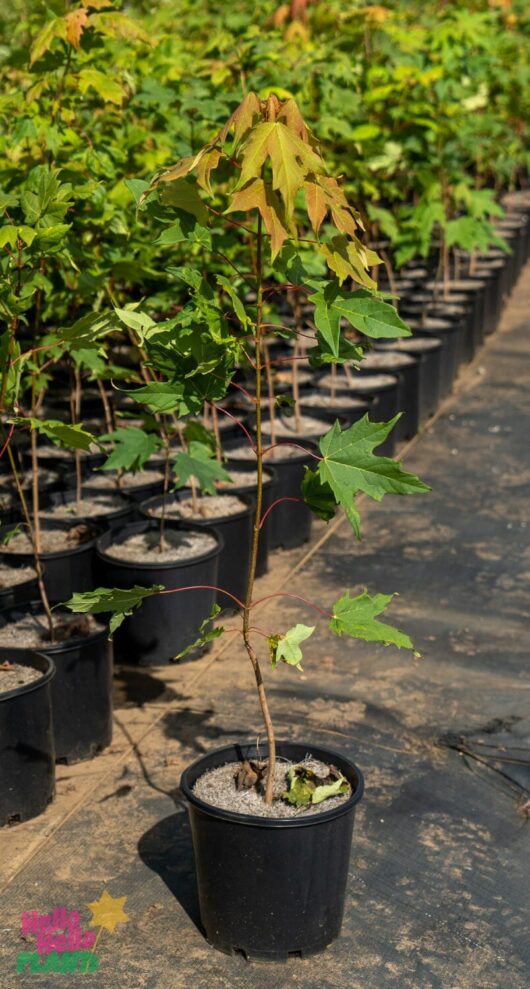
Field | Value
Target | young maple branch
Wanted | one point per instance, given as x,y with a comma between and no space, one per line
271,740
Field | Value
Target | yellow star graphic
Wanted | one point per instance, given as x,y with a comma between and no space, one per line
107,912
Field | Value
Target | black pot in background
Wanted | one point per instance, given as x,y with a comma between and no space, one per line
81,691
492,272
405,368
27,756
271,888
346,413
64,465
235,533
106,520
447,332
428,353
65,571
382,392
166,623
135,494
456,308
474,292
289,523
270,485
16,594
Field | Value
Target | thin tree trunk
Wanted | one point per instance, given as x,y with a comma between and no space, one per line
271,741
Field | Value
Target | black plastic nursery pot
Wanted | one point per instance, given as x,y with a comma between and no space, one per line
382,392
81,691
446,332
27,755
65,465
271,888
270,485
337,408
114,519
15,594
474,292
455,307
235,534
65,570
166,623
493,272
404,367
289,523
428,353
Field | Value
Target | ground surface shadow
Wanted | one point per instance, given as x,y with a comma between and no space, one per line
167,849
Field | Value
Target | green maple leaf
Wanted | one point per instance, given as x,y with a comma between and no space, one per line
356,617
120,601
62,434
161,396
318,495
200,463
369,315
286,648
132,448
349,466
206,633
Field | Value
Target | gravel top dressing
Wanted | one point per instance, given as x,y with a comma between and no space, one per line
15,575
242,479
106,482
62,453
357,383
144,547
87,508
416,345
31,631
13,675
308,427
387,359
218,787
323,401
208,507
52,540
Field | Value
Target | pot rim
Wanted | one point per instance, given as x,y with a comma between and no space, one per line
47,674
51,554
253,820
168,565
218,520
54,647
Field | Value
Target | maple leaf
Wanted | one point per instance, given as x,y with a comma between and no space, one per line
256,195
286,648
356,617
242,119
198,462
316,205
119,601
132,448
290,158
206,633
349,466
76,22
371,316
349,259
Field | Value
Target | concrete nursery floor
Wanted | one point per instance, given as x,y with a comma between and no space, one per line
439,883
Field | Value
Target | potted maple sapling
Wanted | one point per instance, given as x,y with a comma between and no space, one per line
266,815
59,555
